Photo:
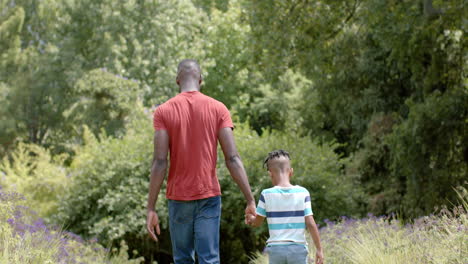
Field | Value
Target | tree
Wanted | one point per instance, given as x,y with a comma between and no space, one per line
10,26
394,66
141,40
36,96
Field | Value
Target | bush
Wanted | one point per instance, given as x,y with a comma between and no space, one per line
24,238
428,151
32,171
108,189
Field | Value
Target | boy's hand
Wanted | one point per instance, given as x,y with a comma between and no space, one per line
249,218
319,257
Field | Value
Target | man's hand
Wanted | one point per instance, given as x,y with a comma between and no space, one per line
152,224
250,210
319,257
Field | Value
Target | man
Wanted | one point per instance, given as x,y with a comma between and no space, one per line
189,126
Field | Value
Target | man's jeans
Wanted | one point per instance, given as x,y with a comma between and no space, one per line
288,254
194,227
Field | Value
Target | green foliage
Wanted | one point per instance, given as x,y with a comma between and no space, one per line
7,122
316,168
428,151
10,26
25,239
142,40
227,70
277,105
285,33
386,80
36,95
107,194
104,101
32,171
389,54
372,165
212,5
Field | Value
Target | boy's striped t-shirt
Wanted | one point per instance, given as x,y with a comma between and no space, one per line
285,209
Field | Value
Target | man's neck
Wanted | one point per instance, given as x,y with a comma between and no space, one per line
189,87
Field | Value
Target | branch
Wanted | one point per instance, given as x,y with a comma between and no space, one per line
347,19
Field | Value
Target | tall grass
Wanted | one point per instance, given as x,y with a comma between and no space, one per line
434,239
24,238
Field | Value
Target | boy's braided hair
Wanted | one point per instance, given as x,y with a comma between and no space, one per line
275,154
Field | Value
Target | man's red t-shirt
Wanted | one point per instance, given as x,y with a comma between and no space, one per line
192,121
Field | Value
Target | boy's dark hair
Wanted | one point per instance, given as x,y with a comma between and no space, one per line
275,154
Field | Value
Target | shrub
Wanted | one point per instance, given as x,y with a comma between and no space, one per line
428,151
32,171
24,238
107,194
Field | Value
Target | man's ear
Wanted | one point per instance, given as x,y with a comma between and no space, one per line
291,172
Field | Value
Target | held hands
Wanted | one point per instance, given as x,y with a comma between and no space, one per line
249,219
152,224
250,213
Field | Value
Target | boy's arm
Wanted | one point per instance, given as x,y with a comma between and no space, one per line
254,220
313,230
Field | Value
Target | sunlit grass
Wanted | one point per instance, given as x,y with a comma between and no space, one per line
24,238
258,258
434,239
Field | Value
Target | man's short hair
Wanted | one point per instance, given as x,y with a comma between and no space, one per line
188,68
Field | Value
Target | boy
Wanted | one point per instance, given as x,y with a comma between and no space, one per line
288,212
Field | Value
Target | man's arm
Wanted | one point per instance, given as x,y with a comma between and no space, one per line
313,230
158,173
236,167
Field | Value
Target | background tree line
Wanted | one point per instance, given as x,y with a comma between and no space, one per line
369,96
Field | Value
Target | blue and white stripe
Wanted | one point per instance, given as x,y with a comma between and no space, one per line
285,209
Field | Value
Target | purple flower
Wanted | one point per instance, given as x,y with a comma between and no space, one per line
39,225
328,222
